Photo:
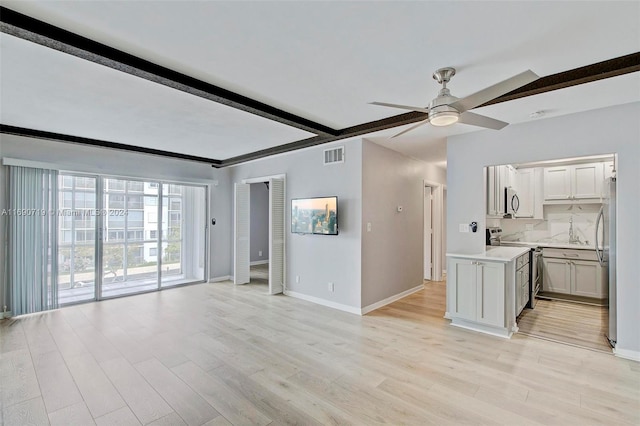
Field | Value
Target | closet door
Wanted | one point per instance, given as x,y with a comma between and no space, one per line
276,235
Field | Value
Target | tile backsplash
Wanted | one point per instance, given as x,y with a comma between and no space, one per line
555,226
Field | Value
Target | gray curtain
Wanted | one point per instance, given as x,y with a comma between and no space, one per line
32,264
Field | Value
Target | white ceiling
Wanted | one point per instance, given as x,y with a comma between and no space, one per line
321,60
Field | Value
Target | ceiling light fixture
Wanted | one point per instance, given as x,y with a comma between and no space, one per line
443,115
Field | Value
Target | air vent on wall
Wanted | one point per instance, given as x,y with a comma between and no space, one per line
334,155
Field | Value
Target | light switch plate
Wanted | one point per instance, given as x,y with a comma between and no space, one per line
463,227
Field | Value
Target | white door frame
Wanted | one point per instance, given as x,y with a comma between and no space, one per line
437,221
428,232
262,179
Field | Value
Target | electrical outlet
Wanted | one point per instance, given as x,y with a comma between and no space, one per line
260,253
297,279
368,226
331,287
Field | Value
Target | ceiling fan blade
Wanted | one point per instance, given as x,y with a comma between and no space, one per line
411,128
495,91
410,108
481,120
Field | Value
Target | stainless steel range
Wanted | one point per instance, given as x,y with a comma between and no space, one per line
493,235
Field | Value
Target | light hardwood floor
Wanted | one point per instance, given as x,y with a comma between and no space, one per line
217,354
568,322
259,274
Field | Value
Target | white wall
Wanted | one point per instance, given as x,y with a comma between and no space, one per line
604,131
82,158
259,222
319,259
393,252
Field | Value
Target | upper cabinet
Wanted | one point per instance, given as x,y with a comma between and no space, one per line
525,186
523,181
574,182
495,196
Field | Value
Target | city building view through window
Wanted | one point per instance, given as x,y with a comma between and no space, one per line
136,236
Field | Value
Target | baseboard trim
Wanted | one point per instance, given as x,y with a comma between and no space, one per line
222,278
258,262
627,354
390,299
323,302
481,328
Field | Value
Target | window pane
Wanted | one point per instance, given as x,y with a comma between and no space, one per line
135,186
183,240
76,242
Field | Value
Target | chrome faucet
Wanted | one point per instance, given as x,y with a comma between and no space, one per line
573,237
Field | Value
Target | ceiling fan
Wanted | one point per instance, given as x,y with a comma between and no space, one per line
445,109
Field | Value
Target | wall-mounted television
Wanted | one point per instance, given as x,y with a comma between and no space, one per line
318,215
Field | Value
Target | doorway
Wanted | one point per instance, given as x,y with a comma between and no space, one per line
567,211
433,231
249,243
259,233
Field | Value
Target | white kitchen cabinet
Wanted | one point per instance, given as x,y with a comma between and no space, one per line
557,183
511,177
574,182
490,297
587,180
574,272
522,282
493,197
557,276
525,187
588,279
498,178
608,169
478,291
464,286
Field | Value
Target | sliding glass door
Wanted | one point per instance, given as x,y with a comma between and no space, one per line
76,238
130,227
137,236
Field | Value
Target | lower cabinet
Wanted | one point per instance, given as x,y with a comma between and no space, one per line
557,275
586,278
478,291
522,282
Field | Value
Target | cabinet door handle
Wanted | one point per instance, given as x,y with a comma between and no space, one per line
570,255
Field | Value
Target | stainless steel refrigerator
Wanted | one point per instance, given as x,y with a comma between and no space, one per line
606,250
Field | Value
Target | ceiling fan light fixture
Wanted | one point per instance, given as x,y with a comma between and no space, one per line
443,118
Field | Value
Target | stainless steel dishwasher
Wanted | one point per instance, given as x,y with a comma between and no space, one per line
535,274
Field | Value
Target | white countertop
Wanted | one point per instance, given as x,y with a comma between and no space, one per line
550,245
495,253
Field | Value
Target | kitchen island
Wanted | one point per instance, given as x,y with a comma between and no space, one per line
485,290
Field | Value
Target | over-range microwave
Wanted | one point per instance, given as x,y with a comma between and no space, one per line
511,202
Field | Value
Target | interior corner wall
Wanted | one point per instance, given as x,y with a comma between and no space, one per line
393,251
319,259
603,131
259,222
82,158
